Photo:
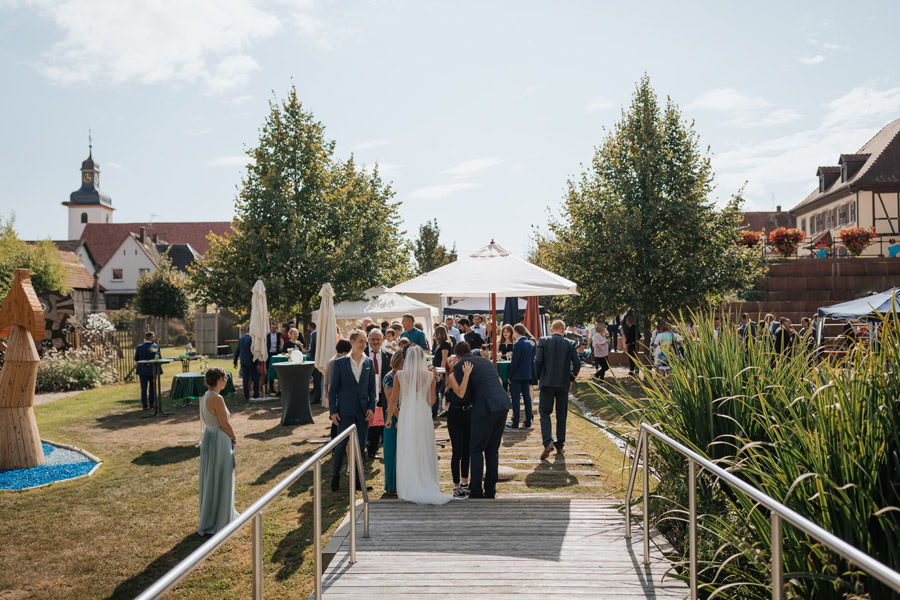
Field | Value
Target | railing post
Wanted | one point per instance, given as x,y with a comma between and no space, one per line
692,509
256,557
317,528
645,451
351,461
777,573
631,478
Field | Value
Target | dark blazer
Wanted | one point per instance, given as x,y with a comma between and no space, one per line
243,352
311,350
146,351
348,397
521,367
278,344
556,361
484,391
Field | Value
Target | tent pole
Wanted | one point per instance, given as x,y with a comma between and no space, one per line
494,329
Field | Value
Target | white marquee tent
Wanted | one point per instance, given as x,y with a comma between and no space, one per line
387,306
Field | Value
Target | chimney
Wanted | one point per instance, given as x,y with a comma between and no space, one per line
143,235
778,208
155,238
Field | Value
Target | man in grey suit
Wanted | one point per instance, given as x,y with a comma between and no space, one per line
556,363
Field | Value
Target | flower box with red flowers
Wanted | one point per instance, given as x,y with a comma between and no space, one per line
749,239
857,239
785,240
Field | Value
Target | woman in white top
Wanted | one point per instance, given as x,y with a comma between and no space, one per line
601,351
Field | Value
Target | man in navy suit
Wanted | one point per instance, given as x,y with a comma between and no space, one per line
556,363
351,398
147,351
490,405
249,371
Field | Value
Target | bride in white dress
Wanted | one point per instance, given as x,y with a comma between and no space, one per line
417,460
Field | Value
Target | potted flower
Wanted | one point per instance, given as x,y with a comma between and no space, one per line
856,239
749,239
785,240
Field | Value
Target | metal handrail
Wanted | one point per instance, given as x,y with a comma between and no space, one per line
779,513
254,512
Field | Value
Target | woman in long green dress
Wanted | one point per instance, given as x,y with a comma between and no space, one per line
216,458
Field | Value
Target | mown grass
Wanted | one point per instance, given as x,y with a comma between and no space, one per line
114,533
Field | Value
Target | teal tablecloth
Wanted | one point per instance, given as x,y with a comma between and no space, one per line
271,374
193,385
503,370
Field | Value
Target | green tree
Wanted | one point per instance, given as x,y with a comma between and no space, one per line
41,259
638,229
163,293
429,252
303,218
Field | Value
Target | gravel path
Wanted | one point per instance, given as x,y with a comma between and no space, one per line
52,397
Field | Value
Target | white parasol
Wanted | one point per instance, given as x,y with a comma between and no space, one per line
326,330
259,322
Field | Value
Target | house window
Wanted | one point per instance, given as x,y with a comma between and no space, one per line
852,211
142,272
803,224
841,215
843,172
84,217
113,302
829,221
117,275
818,222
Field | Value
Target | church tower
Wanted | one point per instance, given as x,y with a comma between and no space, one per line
88,204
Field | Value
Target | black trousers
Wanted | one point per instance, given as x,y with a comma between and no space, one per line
602,365
484,450
147,382
316,398
554,398
459,426
340,451
631,349
250,373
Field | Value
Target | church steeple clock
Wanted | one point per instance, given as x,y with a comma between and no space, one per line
89,204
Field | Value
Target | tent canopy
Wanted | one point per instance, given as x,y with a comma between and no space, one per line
868,307
482,306
488,270
386,306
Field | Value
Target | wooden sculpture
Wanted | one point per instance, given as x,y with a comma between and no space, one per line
22,321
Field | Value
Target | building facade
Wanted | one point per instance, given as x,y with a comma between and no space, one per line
862,190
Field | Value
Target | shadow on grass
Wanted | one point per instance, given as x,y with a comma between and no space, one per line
167,456
133,586
551,475
284,464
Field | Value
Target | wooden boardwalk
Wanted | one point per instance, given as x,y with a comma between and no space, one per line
491,549
553,533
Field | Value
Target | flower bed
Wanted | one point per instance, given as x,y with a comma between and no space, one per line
74,370
857,239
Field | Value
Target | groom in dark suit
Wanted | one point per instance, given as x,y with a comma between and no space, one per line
490,405
351,398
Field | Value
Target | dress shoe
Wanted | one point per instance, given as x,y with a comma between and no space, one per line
335,484
547,451
511,426
526,425
560,451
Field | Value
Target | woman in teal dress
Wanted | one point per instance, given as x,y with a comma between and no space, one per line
216,458
390,427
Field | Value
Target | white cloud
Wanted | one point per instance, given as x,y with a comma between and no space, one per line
203,42
242,99
470,167
113,165
599,104
229,161
811,60
440,192
727,100
848,123
369,144
743,109
829,46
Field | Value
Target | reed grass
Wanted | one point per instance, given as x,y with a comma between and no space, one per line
821,437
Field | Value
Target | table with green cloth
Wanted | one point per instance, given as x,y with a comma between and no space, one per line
193,385
272,374
503,370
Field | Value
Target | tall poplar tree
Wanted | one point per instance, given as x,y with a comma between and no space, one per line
430,253
638,228
303,218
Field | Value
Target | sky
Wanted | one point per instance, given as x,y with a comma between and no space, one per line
477,112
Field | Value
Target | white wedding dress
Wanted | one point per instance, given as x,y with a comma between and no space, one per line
417,460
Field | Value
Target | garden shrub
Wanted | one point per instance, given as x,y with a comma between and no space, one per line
74,370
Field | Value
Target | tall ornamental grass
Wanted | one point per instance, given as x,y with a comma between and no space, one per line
821,437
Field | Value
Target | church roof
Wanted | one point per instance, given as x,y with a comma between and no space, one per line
104,239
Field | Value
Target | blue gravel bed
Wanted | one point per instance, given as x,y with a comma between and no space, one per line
61,464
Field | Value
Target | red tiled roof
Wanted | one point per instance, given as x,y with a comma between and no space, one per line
77,277
104,239
768,220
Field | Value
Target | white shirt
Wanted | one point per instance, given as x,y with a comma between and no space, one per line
455,334
481,331
379,371
273,342
356,367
